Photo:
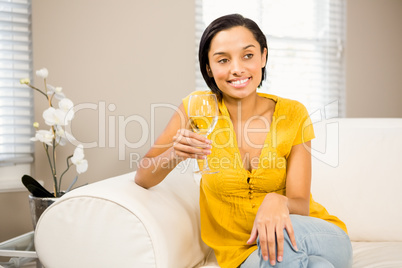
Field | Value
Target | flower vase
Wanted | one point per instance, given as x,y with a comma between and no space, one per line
38,205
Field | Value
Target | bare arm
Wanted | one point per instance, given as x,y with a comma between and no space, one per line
176,143
298,179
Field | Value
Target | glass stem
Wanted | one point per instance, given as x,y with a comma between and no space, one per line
206,166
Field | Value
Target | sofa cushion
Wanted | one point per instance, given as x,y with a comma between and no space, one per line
357,175
377,254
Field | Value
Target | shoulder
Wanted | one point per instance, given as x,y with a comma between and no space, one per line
297,119
285,106
284,103
291,104
292,108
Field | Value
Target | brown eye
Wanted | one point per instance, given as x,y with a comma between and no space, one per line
223,61
248,56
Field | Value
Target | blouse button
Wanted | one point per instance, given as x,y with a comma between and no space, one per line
253,205
251,197
251,187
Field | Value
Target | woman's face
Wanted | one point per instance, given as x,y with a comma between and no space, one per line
236,62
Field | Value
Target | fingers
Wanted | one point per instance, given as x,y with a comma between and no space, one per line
266,236
188,137
271,244
262,232
272,240
187,144
269,240
289,229
280,242
184,151
253,235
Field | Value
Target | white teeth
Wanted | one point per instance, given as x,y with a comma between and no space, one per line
239,82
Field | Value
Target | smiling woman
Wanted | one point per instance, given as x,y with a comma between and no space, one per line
253,213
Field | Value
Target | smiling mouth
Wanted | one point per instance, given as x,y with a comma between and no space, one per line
240,83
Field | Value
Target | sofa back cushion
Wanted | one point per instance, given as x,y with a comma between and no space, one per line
357,175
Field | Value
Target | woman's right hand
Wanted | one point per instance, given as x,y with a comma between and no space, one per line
188,144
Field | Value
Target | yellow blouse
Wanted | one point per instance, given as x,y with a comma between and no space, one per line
229,199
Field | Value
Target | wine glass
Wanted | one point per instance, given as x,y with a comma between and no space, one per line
203,114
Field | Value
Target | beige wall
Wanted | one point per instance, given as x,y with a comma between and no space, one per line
374,58
134,53
123,53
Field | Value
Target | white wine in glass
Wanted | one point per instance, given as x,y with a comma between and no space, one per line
203,113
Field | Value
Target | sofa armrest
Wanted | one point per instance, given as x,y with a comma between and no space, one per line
116,223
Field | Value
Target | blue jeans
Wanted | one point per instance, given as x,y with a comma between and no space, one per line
320,245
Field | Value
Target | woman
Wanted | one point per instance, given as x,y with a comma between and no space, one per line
257,211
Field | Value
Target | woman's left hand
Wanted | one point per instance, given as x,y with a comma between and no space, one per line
272,217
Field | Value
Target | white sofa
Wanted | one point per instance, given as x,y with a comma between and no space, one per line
115,223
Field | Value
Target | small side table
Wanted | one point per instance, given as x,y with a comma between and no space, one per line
21,251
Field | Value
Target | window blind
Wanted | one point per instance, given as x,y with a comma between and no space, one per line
305,48
16,100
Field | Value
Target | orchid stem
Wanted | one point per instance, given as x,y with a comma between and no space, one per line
52,169
68,167
49,99
40,91
54,165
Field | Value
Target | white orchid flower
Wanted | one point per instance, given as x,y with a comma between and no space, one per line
78,159
58,119
54,116
42,73
63,136
66,105
57,91
45,136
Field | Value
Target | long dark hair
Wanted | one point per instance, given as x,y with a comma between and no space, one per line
220,24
